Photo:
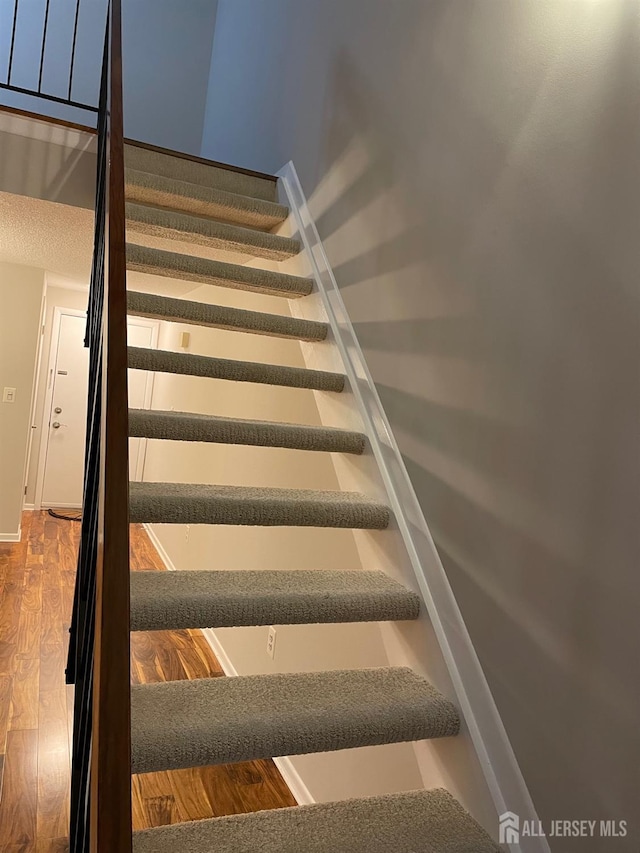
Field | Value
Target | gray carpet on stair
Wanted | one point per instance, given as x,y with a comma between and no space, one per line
207,232
186,503
408,822
141,358
203,173
145,188
163,601
184,426
236,276
222,317
224,720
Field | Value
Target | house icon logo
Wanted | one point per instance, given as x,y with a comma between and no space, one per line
509,828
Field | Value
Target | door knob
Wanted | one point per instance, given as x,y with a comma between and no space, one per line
56,424
57,410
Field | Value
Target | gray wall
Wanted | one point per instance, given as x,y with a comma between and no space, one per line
474,171
166,47
166,51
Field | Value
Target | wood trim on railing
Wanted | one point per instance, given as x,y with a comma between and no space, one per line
194,159
111,739
48,119
229,167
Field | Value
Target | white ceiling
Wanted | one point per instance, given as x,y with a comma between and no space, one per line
58,238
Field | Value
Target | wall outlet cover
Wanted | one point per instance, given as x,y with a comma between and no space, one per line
271,642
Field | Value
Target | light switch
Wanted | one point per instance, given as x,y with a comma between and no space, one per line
9,395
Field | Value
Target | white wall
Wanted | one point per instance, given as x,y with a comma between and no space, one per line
21,291
166,47
473,170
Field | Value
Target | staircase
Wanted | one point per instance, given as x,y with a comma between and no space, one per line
190,723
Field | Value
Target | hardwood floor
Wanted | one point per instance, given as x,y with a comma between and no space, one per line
36,579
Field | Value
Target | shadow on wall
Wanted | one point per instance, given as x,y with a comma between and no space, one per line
486,252
41,168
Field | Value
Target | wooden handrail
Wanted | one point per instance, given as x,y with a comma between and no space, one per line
110,800
98,662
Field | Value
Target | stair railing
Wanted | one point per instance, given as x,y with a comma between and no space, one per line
24,21
98,662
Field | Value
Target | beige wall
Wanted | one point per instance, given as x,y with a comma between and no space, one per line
42,160
473,169
21,291
298,648
55,297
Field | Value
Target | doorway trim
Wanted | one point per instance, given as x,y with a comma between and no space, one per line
58,312
43,426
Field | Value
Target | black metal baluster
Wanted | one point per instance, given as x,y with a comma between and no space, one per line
73,47
44,42
13,40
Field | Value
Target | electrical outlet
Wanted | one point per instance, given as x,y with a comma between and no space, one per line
271,642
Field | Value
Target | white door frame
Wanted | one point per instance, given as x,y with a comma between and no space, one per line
48,400
35,385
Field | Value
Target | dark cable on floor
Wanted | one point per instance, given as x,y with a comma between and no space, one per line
65,517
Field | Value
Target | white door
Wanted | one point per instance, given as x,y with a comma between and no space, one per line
63,478
64,462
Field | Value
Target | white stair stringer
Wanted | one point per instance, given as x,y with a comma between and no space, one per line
448,658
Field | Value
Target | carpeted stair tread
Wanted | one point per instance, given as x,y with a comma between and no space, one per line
200,200
186,503
209,721
407,822
163,361
223,317
163,601
236,276
185,426
207,174
185,228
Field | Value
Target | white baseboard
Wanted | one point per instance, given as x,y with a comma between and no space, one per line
157,544
28,507
292,778
11,537
218,649
301,794
60,506
294,781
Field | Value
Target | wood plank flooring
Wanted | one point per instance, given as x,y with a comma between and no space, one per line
36,707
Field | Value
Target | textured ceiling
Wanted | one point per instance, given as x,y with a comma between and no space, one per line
59,239
43,234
